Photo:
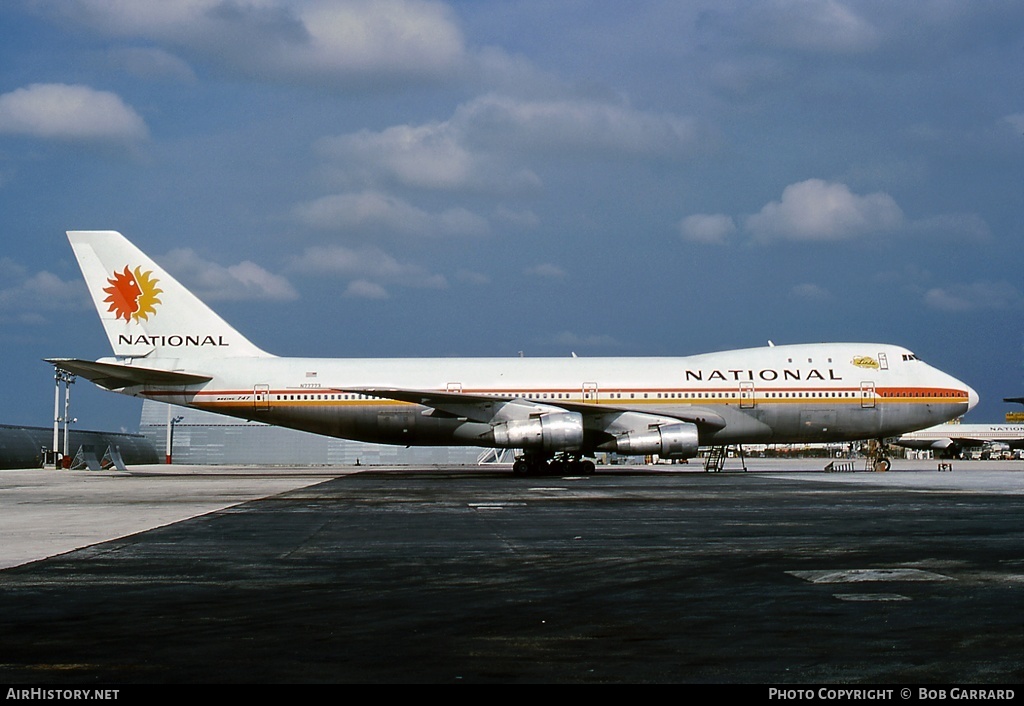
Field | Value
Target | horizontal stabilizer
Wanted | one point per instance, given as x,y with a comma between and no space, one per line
115,377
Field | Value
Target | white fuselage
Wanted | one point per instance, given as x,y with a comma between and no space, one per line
780,394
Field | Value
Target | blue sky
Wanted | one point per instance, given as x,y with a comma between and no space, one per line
405,178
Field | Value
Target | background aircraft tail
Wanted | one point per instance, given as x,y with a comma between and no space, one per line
145,311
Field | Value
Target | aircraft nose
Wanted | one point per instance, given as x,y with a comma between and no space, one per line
972,398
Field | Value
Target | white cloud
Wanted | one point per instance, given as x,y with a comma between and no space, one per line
819,26
810,292
150,62
1015,121
311,39
11,270
256,282
575,341
472,277
364,289
518,218
43,291
977,296
482,146
430,156
819,211
425,156
366,264
816,210
707,228
63,112
401,37
375,210
546,270
578,125
952,226
243,281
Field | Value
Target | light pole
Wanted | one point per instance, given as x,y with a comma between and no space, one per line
171,421
61,376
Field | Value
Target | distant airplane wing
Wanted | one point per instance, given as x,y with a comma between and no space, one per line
1013,441
974,442
483,408
968,441
115,377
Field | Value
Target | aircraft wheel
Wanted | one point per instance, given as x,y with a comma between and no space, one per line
883,464
521,468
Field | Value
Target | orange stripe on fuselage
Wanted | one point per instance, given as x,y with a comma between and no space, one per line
607,396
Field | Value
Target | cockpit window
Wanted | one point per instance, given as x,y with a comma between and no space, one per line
910,356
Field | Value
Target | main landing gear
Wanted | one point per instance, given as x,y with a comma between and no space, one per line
878,456
534,464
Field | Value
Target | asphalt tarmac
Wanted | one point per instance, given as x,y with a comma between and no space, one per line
778,575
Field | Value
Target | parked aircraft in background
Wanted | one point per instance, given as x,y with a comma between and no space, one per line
950,440
169,346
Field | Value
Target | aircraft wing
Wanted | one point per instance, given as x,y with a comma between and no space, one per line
1014,441
485,408
968,441
974,443
115,377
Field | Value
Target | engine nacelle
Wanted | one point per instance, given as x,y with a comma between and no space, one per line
666,440
553,431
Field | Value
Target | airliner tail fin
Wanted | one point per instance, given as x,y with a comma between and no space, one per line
144,310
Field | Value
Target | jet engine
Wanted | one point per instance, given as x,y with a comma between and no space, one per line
552,431
673,440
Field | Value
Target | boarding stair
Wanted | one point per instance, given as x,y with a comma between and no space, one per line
714,462
87,458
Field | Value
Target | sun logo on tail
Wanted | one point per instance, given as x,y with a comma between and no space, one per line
132,295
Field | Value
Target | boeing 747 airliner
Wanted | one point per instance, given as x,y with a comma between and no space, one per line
556,412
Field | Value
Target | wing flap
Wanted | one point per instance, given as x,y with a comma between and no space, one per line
476,408
484,408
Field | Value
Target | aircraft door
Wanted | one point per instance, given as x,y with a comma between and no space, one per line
261,397
396,426
867,395
590,392
746,395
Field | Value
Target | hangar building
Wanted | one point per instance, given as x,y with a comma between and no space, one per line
26,447
205,438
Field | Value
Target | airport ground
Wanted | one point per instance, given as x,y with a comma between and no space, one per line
781,574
